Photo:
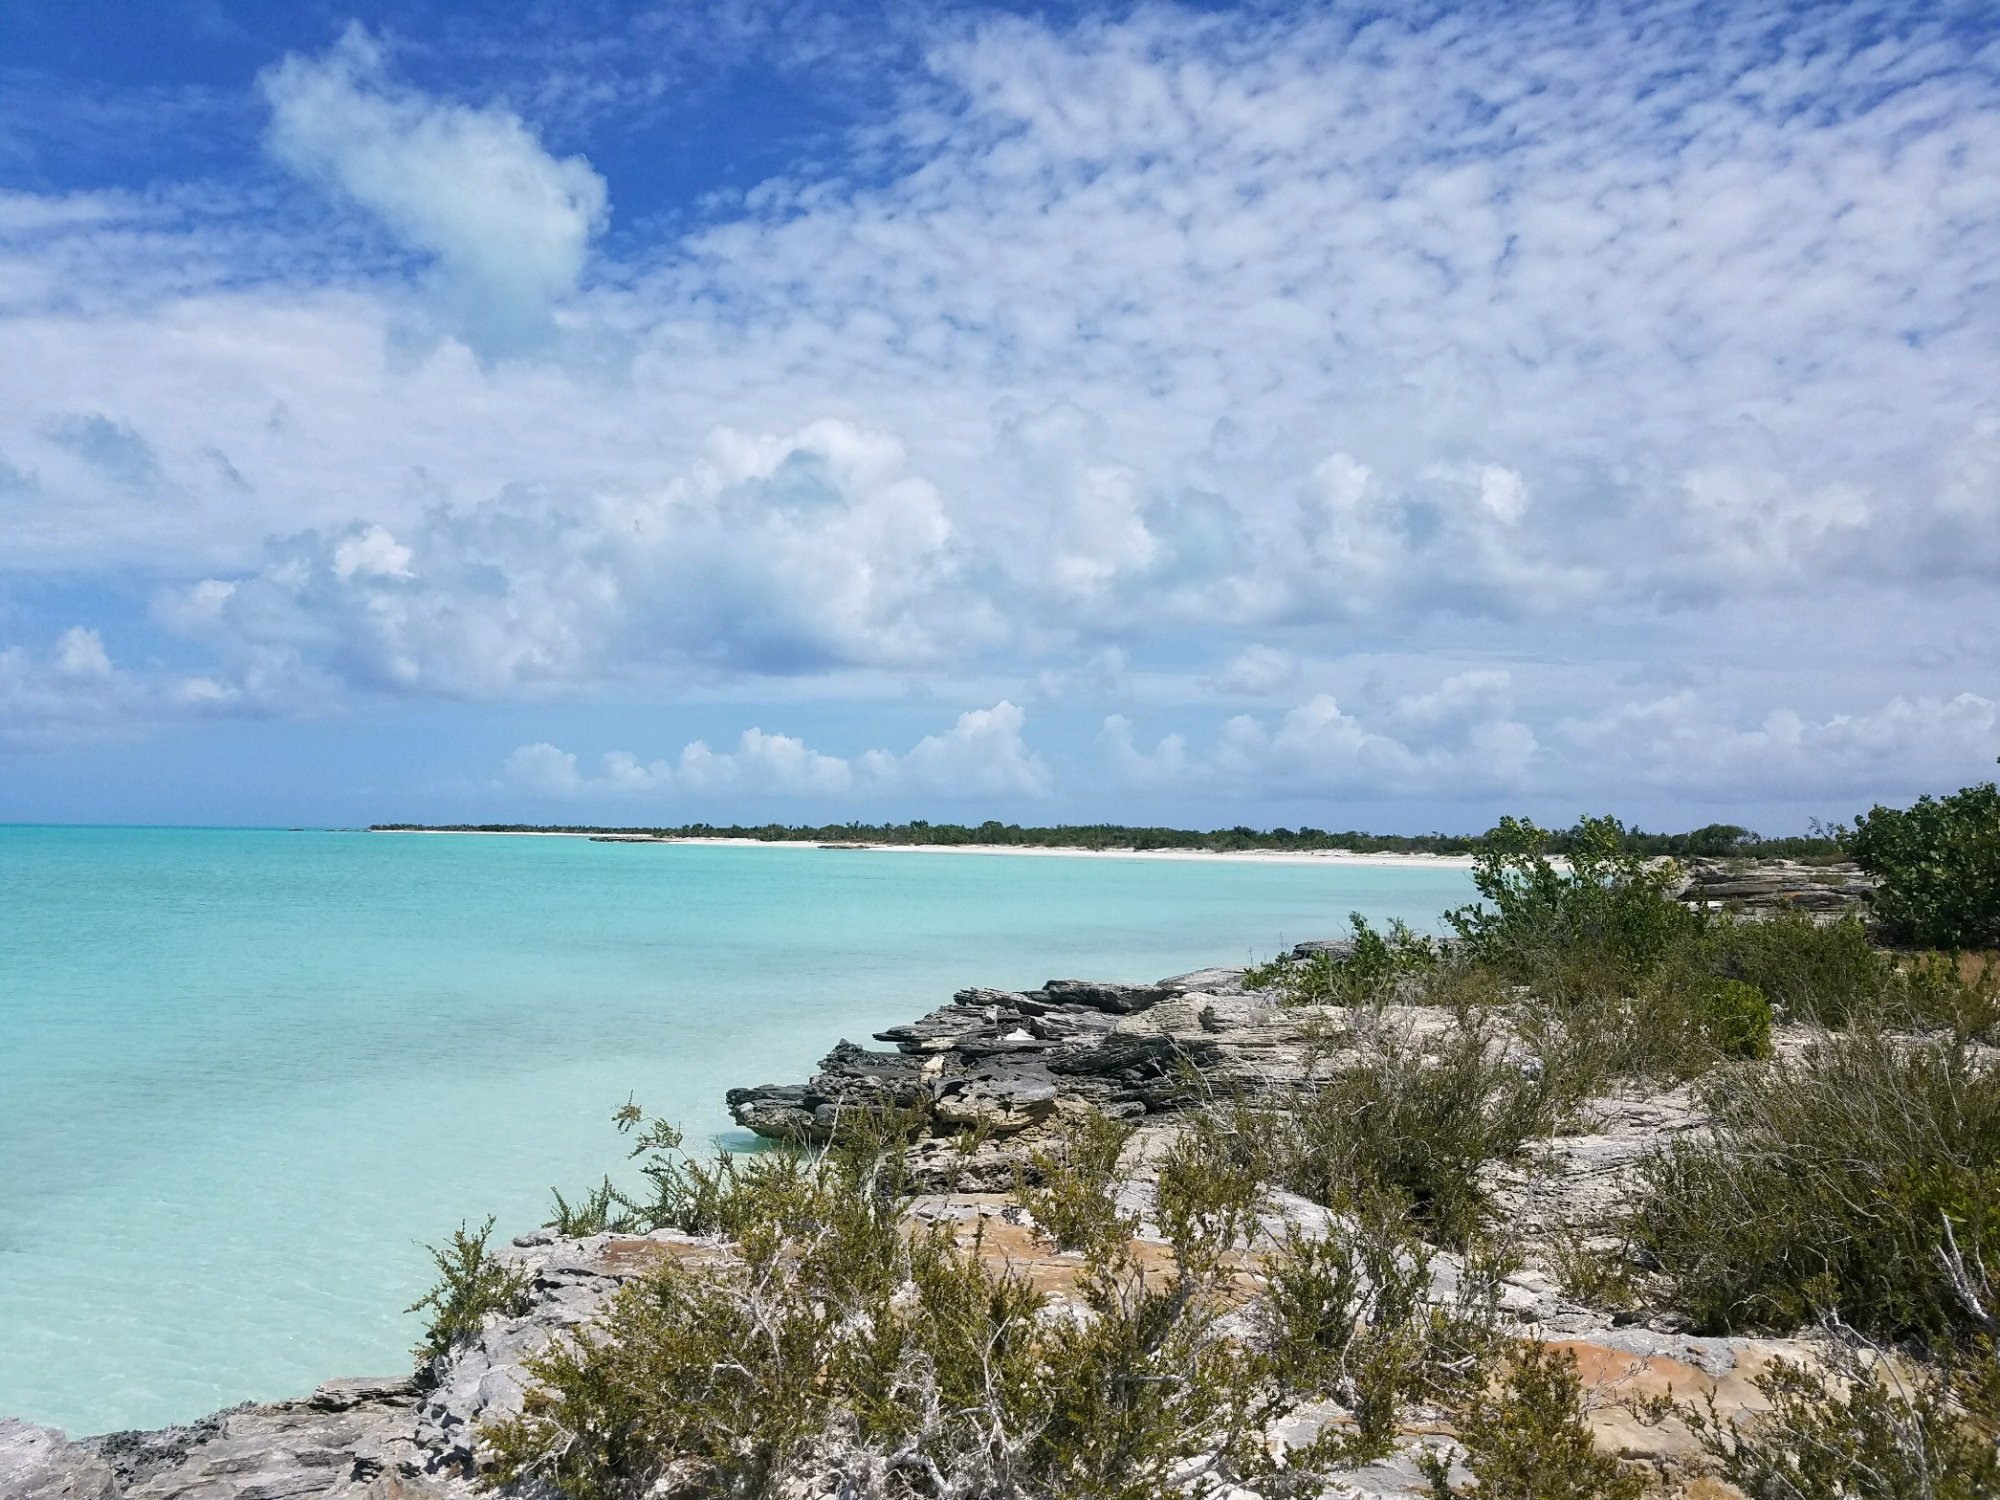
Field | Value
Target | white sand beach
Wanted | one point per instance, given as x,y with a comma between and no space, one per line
1242,856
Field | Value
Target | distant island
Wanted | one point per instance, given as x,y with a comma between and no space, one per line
1716,841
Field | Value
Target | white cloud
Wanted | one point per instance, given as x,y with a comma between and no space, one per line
1163,765
1467,740
73,690
508,223
371,552
1257,671
542,768
1564,342
982,756
1459,741
80,654
1686,740
775,554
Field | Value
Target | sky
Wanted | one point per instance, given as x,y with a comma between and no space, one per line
1355,416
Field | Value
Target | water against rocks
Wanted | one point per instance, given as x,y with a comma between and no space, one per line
243,1074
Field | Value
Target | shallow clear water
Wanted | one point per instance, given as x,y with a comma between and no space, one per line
244,1074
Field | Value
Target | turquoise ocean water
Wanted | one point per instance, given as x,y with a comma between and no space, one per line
244,1074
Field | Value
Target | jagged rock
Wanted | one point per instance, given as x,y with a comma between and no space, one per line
1775,885
40,1463
1000,1106
349,1440
1121,998
1208,981
1334,947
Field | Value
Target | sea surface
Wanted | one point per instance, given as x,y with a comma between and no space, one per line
244,1075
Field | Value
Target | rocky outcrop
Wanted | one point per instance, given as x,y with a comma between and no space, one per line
1769,885
999,1062
39,1463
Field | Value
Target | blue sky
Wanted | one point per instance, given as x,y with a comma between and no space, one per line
1358,416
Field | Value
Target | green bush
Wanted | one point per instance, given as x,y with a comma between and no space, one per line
1529,1439
1414,1123
1857,1428
1821,973
1374,970
1827,1185
1584,931
1347,1316
1939,865
597,1210
472,1286
1736,1018
1830,974
1067,1190
845,1350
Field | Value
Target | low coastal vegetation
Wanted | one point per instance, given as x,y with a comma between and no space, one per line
1716,841
1281,1284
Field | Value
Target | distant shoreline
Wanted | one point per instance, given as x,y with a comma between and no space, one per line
1348,857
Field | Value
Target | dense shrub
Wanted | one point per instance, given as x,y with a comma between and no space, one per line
1735,1018
472,1287
1068,1188
1372,969
845,1349
1939,864
1528,1439
1858,1427
1347,1316
1827,1186
1415,1122
1582,929
596,1210
1817,972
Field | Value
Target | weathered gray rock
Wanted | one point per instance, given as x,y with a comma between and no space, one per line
349,1440
999,1106
1763,886
40,1463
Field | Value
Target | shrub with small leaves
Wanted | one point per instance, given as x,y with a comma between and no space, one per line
1417,1121
472,1286
1829,1183
1857,1426
1529,1439
1735,1018
1347,1316
599,1209
1067,1187
1372,969
1577,929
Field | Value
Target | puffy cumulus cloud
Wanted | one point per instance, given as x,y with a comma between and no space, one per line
71,690
982,756
80,653
1166,764
1458,741
1256,672
1468,740
508,224
774,554
1688,741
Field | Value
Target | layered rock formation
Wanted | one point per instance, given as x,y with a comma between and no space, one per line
1001,1063
1778,885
